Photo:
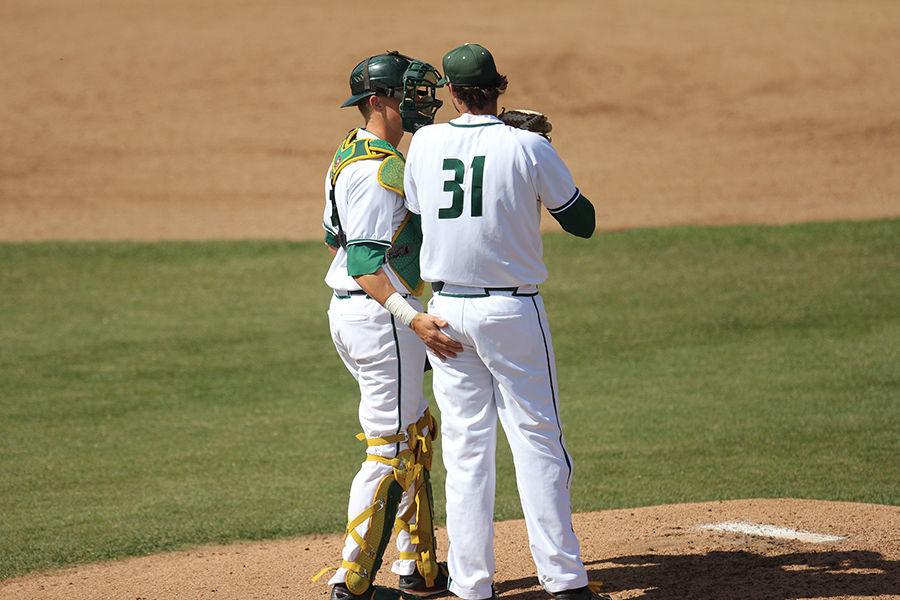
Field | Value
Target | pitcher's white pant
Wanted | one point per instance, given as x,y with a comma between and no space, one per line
387,360
506,370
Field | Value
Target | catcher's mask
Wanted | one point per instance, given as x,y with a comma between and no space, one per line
419,103
392,74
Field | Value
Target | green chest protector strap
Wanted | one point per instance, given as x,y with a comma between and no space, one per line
406,244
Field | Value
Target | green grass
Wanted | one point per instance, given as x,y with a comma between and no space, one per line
154,396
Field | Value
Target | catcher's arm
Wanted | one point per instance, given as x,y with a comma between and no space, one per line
428,327
331,242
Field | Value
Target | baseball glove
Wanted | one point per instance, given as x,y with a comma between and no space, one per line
529,120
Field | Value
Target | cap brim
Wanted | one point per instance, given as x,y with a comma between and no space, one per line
356,98
444,81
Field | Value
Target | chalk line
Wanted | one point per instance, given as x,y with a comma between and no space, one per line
772,531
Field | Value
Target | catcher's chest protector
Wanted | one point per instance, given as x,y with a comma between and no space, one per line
403,255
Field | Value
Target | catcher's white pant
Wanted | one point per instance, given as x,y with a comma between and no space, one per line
506,371
387,361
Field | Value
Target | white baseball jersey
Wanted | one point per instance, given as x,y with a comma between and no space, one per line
368,213
478,185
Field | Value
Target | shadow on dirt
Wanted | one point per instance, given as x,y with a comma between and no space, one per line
736,575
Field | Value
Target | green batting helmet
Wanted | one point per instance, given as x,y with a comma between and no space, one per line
380,73
411,81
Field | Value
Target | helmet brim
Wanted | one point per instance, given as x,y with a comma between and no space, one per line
352,100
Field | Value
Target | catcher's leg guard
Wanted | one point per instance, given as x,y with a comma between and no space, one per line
372,544
421,529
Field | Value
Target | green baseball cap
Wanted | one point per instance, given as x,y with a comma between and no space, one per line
470,65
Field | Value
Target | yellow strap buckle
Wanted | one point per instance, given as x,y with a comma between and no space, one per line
356,568
381,441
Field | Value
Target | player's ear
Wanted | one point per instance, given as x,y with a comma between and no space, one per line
376,103
454,100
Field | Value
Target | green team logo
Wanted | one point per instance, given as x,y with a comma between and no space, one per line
454,186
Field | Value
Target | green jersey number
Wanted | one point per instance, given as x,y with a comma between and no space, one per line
454,186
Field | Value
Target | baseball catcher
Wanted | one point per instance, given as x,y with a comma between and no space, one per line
376,324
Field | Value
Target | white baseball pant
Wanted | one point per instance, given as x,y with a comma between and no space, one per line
387,360
506,371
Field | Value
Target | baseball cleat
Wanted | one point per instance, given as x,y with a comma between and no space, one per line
375,592
583,593
414,585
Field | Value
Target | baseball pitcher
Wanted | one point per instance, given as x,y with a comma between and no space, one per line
478,185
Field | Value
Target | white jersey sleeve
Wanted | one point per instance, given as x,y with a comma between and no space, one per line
369,212
552,179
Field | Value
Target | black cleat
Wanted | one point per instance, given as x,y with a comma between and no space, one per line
583,593
375,592
414,585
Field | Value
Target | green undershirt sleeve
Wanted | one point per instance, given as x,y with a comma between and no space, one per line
578,219
330,239
364,258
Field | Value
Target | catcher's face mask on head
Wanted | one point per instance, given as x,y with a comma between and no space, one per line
419,103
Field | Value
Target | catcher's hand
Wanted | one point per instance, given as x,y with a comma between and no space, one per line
529,120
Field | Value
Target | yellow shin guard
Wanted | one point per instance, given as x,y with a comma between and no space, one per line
421,532
411,466
383,510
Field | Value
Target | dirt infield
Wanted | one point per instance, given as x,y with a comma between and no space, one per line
656,553
178,119
217,118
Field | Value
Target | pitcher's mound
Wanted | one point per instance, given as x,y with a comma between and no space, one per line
741,549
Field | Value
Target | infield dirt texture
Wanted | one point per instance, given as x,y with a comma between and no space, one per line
216,119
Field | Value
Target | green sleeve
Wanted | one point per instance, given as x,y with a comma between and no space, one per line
331,239
578,218
364,258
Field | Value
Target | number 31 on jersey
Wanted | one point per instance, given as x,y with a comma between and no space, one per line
454,186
